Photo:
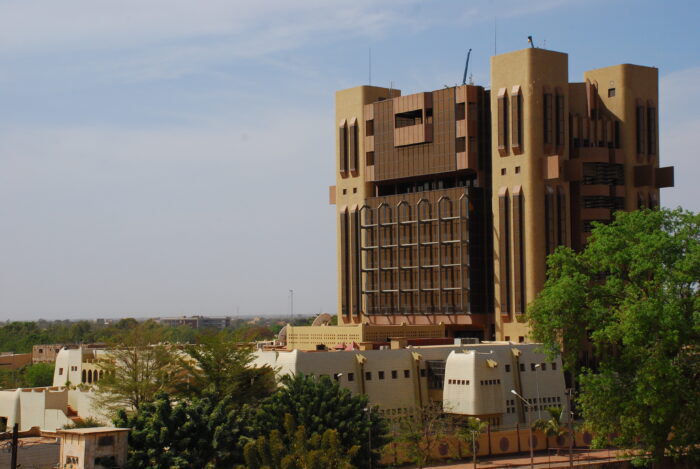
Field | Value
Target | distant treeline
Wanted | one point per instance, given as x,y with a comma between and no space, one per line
19,337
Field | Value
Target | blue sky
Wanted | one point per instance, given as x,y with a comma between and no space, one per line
145,146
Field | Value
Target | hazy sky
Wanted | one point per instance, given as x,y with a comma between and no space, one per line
166,157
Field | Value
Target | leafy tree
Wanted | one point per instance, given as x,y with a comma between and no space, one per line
319,404
633,295
200,433
422,429
470,432
89,422
219,366
38,375
295,449
137,367
552,426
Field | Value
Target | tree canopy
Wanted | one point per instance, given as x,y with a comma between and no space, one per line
319,404
632,296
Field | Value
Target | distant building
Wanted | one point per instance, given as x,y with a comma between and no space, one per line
197,322
14,361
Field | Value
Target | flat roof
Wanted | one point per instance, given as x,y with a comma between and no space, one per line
92,430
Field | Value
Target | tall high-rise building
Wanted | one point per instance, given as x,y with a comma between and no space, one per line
449,201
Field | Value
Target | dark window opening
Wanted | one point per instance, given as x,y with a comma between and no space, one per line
370,158
368,375
460,111
381,375
460,144
603,173
428,184
394,374
407,119
611,92
651,130
507,368
369,128
603,201
351,376
105,440
406,373
547,127
436,374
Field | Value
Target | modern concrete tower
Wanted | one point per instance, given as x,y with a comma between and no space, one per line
449,201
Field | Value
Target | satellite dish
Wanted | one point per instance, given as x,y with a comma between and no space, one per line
322,319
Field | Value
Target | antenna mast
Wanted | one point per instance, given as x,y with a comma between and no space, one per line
466,67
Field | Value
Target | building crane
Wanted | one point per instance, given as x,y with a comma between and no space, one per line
466,67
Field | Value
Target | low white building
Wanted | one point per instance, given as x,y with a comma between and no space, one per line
474,380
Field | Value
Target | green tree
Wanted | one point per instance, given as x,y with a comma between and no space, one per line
295,449
423,429
197,433
38,375
219,366
136,368
632,293
551,426
470,432
319,404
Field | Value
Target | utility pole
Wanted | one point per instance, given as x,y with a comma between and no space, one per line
15,445
291,307
529,424
571,428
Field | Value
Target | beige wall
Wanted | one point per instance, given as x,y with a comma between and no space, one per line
531,69
396,396
349,104
308,337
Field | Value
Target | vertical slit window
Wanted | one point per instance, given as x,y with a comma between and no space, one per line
503,122
547,118
343,146
560,120
504,250
549,225
517,113
561,216
353,146
344,262
518,253
651,130
355,263
640,129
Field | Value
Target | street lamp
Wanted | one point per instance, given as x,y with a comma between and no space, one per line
369,438
539,401
474,435
529,425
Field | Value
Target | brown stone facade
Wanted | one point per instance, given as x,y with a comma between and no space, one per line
449,201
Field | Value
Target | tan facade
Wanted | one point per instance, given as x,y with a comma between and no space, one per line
14,361
449,201
93,448
311,337
411,199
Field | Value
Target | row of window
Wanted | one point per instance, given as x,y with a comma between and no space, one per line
544,403
380,375
533,367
